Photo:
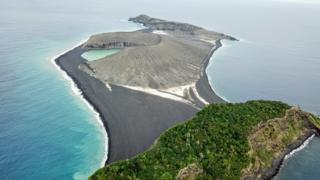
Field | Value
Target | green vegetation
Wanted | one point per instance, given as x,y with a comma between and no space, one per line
214,145
269,139
314,120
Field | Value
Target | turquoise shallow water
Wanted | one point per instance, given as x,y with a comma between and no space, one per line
46,132
92,55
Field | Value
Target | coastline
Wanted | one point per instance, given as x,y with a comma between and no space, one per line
156,111
78,92
278,164
179,111
301,147
297,146
90,86
218,45
221,45
300,143
203,81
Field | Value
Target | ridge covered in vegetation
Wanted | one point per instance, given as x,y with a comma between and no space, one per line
220,142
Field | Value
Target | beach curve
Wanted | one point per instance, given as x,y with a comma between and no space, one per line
77,92
146,115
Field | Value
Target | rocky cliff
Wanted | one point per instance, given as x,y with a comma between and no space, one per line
223,141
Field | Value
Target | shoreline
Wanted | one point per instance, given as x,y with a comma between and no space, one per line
301,147
203,76
184,111
133,119
88,99
78,93
76,88
301,143
202,93
298,146
211,59
218,45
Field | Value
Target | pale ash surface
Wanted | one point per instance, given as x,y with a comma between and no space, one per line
166,55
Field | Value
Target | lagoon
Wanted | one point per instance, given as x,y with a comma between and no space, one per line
96,54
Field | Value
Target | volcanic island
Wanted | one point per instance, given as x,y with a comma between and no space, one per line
156,80
163,119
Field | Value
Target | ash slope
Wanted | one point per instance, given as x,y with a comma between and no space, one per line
159,61
133,118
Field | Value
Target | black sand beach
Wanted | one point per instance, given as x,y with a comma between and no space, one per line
133,120
203,87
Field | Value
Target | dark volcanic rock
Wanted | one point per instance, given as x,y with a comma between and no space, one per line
159,24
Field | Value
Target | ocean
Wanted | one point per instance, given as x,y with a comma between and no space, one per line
48,132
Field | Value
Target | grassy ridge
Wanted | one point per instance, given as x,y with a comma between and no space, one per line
271,140
215,140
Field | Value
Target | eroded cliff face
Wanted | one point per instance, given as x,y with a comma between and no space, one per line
190,172
121,40
178,29
223,141
271,141
159,24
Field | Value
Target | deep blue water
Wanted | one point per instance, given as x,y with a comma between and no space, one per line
277,58
46,132
303,165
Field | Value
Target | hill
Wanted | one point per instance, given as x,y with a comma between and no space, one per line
222,141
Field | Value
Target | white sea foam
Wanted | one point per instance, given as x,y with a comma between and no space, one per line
217,93
177,91
302,146
211,86
75,89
